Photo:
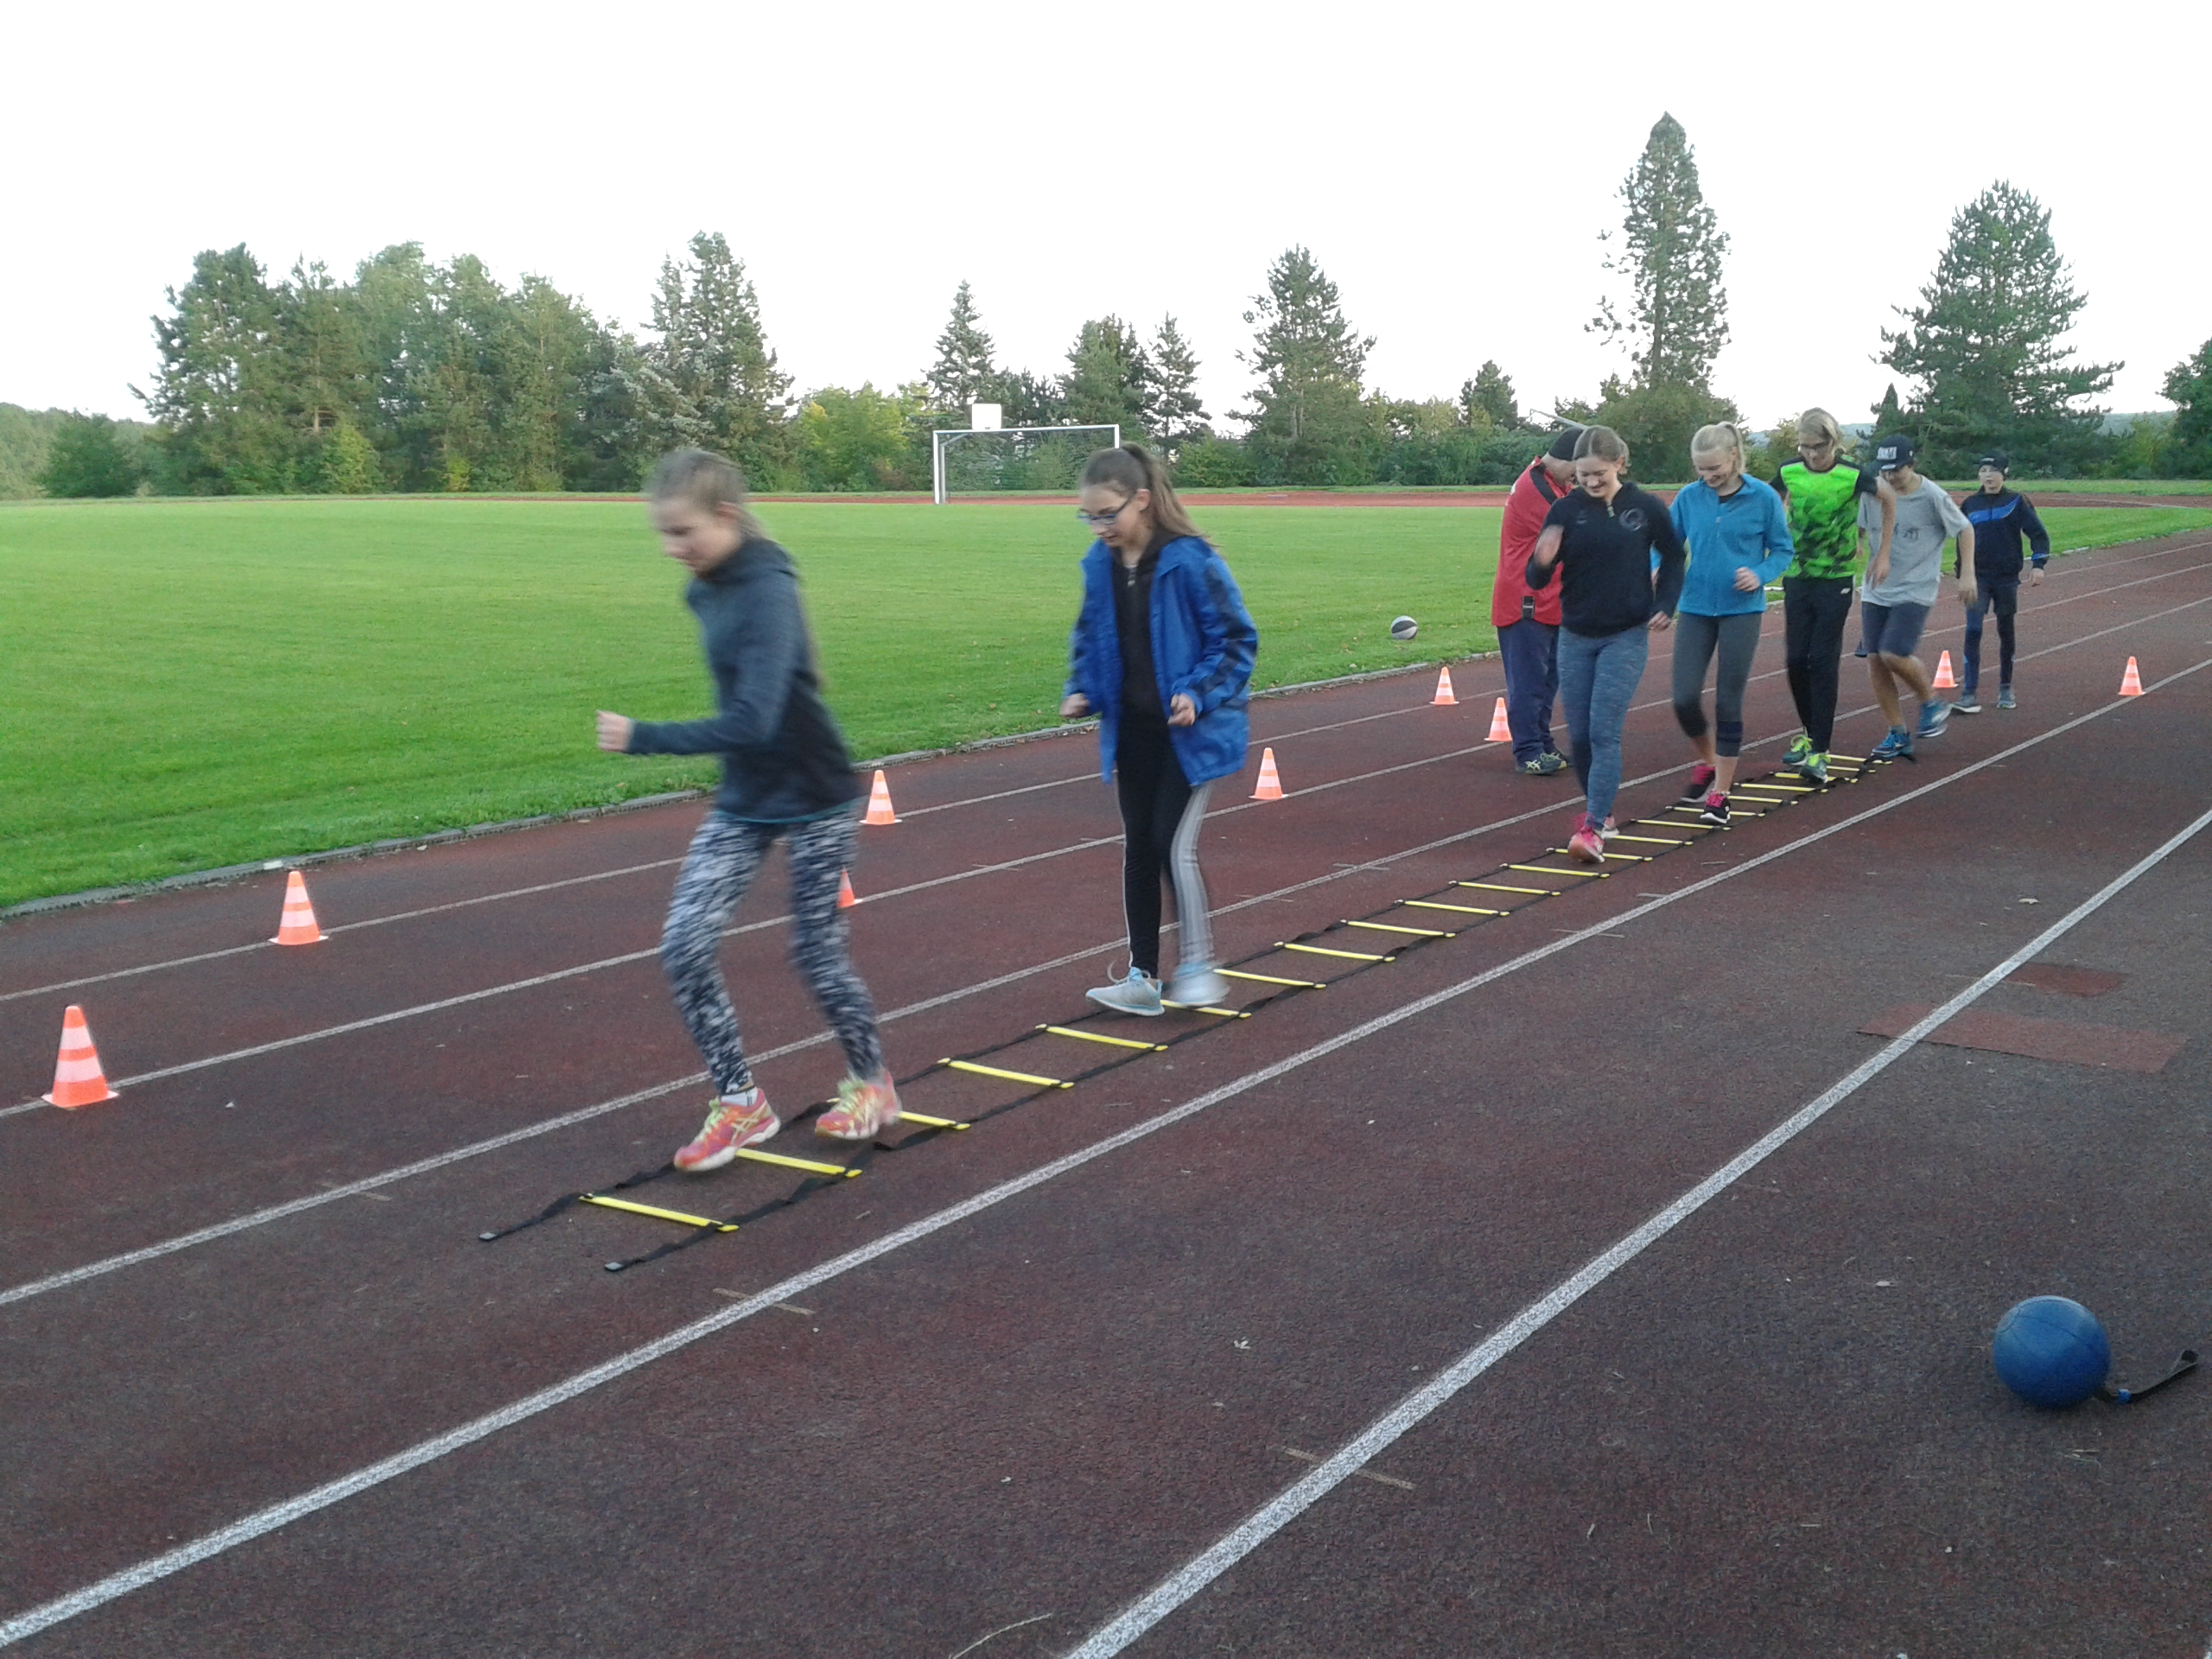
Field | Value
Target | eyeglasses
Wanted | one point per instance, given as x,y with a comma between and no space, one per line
1103,521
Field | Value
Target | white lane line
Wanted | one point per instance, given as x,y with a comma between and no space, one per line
584,1114
1270,1518
374,1020
278,1515
978,800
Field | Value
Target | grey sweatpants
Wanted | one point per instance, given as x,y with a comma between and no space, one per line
1696,638
725,856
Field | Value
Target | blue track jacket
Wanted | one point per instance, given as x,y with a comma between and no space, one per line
1203,643
1748,530
1999,521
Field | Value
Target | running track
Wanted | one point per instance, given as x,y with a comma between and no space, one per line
1404,1317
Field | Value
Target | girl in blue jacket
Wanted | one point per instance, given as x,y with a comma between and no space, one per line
1737,532
1162,654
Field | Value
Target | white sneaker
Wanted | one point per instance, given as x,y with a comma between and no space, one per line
1139,993
1196,985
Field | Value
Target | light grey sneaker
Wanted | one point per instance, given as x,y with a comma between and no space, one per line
1138,993
1196,985
1967,703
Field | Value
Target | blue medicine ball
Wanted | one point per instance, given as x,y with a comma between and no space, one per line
2052,1352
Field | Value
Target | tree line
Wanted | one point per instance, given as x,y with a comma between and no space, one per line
414,376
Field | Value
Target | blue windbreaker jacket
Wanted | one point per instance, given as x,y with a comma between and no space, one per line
1203,644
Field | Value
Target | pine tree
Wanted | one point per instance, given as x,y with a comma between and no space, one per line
712,351
1308,421
1490,391
1107,379
1889,415
1983,343
1670,252
962,373
1172,412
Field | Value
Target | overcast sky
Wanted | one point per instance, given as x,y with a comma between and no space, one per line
1449,166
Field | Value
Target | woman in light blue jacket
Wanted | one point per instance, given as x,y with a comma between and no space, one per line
1737,532
1162,654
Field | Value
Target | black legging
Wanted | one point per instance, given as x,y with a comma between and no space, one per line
1814,610
1159,836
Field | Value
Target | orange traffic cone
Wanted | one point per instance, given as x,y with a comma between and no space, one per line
846,897
1500,732
1944,680
1443,699
77,1080
879,802
296,926
2131,683
1270,787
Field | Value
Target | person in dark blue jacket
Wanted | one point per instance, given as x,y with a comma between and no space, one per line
2001,517
1162,654
785,777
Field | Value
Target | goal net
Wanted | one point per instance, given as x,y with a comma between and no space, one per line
1037,459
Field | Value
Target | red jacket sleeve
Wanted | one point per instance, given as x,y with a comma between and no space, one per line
1524,521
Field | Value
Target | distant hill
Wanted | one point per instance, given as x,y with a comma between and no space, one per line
25,436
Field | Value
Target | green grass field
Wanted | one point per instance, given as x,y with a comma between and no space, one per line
194,683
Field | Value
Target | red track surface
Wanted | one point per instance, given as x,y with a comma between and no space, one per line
1775,1430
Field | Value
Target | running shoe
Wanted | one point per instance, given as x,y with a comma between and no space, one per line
2005,697
1138,993
1800,746
1934,717
1701,777
1196,985
866,1107
733,1121
1898,745
1543,766
1584,844
1812,766
1967,704
1609,828
1715,812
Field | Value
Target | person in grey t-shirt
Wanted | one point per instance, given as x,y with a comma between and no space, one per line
1901,590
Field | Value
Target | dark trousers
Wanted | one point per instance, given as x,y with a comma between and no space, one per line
1814,611
2004,598
1529,652
1160,813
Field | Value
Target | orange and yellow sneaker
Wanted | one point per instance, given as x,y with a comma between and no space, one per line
733,1121
865,1108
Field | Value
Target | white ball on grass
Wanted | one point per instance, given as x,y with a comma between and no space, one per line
1404,628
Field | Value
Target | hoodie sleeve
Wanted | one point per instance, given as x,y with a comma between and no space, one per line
1672,559
1780,549
2038,537
766,641
1082,673
1231,642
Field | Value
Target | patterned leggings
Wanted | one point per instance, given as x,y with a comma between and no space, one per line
724,858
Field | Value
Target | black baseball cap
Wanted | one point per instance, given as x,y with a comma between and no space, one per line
1893,452
1996,457
1563,446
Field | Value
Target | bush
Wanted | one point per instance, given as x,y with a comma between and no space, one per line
1214,463
91,457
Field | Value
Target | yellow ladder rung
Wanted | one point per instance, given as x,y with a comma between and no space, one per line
1625,858
1322,951
906,1116
1011,1077
1546,869
1271,979
1855,760
1417,932
1653,841
807,1164
1465,909
676,1216
1781,789
1499,886
1096,1037
1672,823
1200,1008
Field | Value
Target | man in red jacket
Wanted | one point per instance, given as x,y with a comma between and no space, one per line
1528,621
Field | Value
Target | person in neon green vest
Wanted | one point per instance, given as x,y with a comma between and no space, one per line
1821,491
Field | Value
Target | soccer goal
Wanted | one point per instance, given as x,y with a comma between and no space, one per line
986,456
